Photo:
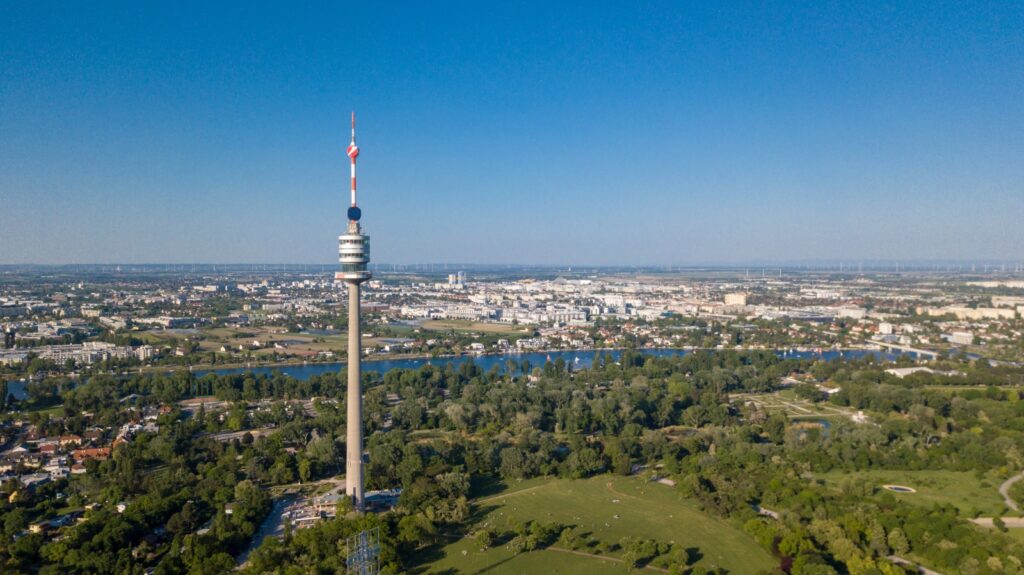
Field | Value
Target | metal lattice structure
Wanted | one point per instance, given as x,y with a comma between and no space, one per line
363,553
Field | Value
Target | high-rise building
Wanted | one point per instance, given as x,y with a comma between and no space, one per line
354,254
739,299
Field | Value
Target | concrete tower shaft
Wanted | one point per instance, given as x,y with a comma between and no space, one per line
354,402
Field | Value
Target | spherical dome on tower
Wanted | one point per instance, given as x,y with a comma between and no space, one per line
352,151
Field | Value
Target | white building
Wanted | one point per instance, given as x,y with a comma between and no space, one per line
960,338
967,313
852,312
738,298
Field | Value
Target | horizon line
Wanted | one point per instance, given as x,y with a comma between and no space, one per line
850,264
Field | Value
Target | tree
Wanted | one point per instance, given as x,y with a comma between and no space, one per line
218,564
513,463
621,462
485,538
14,521
517,544
584,463
638,551
184,521
236,417
877,539
810,392
898,541
811,565
416,531
305,470
775,427
999,524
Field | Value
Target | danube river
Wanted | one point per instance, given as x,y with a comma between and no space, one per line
579,359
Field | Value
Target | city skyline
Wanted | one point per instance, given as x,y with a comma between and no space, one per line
585,135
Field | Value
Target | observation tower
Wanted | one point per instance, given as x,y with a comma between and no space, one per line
354,254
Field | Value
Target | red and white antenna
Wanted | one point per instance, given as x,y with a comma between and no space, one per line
353,152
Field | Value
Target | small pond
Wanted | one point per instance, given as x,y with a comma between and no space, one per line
900,488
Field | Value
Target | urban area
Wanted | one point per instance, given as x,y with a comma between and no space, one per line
182,420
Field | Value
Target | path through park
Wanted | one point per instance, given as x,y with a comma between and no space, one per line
1004,490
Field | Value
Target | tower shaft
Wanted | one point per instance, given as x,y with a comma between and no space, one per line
354,441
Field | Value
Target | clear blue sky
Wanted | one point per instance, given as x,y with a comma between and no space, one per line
551,132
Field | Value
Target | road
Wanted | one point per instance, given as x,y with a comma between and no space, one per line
907,562
232,435
1004,490
273,525
1010,522
337,482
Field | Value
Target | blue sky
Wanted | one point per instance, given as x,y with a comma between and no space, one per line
549,132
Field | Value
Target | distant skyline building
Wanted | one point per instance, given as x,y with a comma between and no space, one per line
354,254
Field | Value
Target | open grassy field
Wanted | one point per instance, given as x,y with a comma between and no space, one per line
609,508
962,489
211,339
547,561
214,338
482,327
52,411
428,435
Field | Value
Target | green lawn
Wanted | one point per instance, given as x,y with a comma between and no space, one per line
478,326
609,509
959,488
53,410
427,435
499,561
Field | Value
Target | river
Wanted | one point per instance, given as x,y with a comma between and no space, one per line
579,359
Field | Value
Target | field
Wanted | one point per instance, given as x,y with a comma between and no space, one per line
959,488
788,403
609,508
428,435
52,411
1017,534
211,339
481,327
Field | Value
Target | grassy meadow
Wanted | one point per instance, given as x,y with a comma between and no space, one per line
605,508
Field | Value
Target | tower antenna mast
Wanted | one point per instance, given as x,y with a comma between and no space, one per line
353,152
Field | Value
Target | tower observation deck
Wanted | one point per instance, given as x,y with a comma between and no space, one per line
354,255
